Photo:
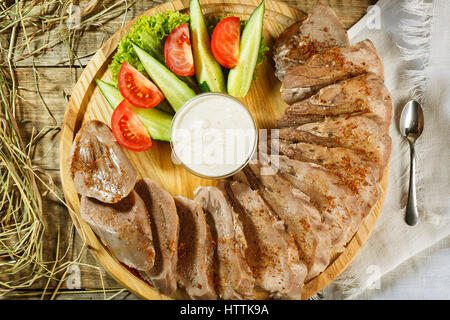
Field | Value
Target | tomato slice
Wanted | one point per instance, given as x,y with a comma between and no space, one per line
178,51
225,42
137,89
128,129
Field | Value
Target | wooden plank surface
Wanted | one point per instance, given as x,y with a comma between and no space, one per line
57,80
349,11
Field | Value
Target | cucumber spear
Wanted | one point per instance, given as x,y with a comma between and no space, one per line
240,77
207,70
156,122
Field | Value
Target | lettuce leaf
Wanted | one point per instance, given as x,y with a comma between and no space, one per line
149,33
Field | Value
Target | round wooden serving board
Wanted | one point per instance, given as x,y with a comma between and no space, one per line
263,101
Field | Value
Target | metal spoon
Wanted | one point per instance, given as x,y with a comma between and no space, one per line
411,127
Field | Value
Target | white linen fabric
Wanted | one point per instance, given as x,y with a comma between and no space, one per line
413,40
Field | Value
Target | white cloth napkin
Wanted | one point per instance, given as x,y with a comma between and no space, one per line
413,39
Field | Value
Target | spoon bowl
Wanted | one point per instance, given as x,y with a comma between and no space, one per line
411,127
411,120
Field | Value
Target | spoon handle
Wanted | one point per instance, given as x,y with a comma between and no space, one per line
412,216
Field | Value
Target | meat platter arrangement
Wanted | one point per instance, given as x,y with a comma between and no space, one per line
243,233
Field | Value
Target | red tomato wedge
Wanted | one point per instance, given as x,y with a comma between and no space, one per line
225,42
128,129
137,89
178,51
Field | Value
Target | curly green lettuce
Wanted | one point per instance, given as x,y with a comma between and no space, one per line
149,33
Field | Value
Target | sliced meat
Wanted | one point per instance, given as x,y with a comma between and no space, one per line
331,66
234,279
124,227
99,167
365,94
361,57
356,133
324,193
165,229
319,31
195,251
240,177
271,252
301,218
342,209
345,163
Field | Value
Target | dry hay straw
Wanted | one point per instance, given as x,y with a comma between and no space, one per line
22,183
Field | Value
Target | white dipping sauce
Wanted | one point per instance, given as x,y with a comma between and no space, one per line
213,135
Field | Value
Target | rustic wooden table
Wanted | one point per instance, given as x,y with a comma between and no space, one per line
56,80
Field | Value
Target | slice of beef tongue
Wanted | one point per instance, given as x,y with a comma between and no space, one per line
195,251
365,95
271,252
319,31
165,228
342,208
124,227
357,133
234,279
100,169
302,220
331,66
355,173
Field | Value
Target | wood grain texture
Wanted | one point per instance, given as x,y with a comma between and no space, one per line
56,77
263,101
87,42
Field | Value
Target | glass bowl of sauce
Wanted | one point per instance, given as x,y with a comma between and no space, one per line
213,136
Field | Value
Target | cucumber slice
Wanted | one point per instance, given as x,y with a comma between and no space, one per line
176,91
240,77
110,92
207,70
157,122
